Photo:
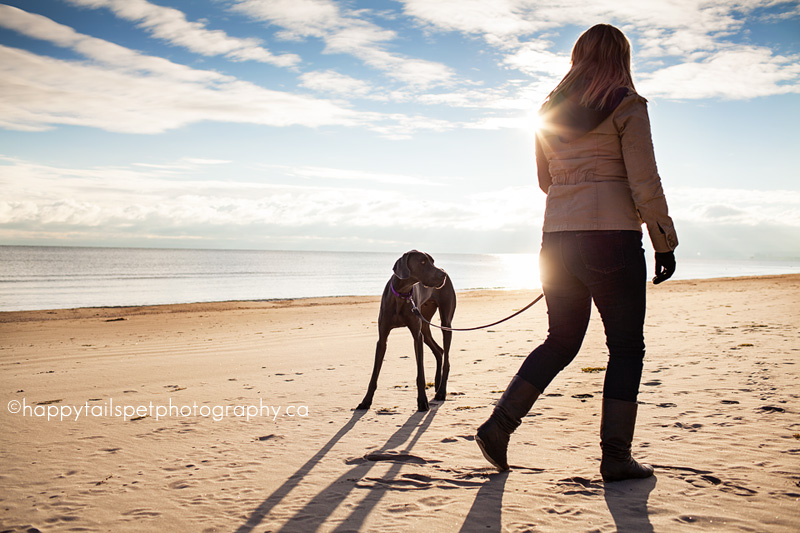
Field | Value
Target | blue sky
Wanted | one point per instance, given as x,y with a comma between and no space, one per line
375,125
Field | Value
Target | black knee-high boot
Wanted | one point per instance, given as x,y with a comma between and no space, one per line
493,435
616,434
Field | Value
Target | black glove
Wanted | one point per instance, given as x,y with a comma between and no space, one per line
665,266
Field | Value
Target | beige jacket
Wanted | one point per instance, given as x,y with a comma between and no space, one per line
605,179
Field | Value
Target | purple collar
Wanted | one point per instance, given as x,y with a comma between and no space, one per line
403,295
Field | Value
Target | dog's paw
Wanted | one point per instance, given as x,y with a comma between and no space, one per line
363,406
440,396
422,405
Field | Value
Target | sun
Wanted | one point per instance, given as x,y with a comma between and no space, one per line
532,120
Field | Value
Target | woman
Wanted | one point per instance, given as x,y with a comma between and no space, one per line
596,164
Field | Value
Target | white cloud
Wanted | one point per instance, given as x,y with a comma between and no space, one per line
737,72
695,34
514,96
122,90
204,161
171,25
533,58
746,207
185,163
99,50
346,33
323,204
681,24
126,91
334,82
510,98
299,18
498,20
41,92
38,196
327,173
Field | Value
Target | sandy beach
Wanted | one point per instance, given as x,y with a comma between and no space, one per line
239,416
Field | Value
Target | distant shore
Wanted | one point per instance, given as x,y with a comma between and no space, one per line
238,416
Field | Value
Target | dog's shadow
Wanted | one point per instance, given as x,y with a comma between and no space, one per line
314,513
281,492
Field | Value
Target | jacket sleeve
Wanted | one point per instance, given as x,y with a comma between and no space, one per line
633,124
542,166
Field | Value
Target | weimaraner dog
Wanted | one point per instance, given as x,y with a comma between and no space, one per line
415,277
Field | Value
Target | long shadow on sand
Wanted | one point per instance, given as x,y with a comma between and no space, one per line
280,493
356,518
627,501
316,511
486,511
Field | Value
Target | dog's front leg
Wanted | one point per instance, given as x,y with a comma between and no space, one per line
422,397
441,388
437,354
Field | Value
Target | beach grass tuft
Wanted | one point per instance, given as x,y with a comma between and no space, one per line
593,369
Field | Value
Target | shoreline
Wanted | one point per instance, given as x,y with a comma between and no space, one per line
223,305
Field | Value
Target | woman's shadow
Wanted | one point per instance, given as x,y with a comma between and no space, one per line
627,502
486,511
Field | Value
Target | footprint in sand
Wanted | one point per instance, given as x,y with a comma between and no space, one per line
588,487
434,501
141,513
402,508
177,485
455,439
396,457
583,397
704,479
688,427
110,450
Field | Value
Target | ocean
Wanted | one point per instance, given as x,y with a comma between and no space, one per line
54,277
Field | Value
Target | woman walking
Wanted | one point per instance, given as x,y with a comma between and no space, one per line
596,164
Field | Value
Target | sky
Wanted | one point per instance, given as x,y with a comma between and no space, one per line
379,125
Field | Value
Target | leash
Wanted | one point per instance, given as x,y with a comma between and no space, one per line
417,312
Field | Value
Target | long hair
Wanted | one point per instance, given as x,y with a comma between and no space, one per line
601,64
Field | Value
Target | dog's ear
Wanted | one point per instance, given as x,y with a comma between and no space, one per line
401,269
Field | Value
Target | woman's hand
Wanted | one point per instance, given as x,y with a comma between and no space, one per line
665,266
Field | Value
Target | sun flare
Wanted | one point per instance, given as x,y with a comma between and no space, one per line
532,120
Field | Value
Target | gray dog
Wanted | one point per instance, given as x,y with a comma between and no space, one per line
416,278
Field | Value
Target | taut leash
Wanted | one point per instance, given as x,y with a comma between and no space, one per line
417,312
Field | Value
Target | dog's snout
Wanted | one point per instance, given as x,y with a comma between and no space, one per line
444,278
438,279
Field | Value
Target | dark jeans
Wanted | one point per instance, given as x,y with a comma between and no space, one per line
576,268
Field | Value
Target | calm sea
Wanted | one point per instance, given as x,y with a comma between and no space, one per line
42,277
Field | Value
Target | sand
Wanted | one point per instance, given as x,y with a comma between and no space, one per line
240,416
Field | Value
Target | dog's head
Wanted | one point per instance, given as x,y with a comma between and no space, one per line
419,266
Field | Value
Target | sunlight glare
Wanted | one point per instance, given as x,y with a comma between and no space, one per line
520,270
533,121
